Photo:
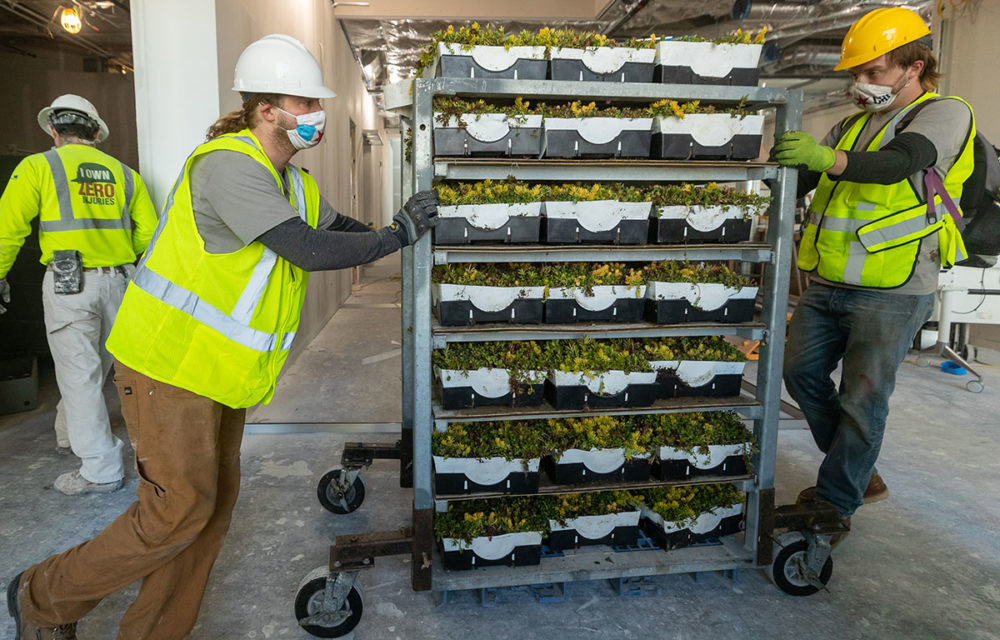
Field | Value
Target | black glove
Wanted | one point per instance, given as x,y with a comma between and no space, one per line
4,294
416,217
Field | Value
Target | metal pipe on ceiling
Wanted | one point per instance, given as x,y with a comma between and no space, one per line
806,56
32,16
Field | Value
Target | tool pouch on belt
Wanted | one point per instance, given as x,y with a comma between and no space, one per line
67,271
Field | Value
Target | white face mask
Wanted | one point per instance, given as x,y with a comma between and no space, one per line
309,129
874,97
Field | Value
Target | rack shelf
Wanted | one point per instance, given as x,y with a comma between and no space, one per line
753,97
545,487
593,563
602,170
746,252
747,407
507,332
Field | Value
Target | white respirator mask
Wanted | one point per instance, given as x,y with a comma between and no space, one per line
875,97
309,129
871,97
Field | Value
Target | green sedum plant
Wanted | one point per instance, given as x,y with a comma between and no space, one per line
676,271
468,519
521,274
445,108
689,195
592,357
597,432
682,504
489,192
691,431
667,108
693,348
505,439
575,505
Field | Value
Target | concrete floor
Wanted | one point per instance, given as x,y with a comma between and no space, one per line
924,564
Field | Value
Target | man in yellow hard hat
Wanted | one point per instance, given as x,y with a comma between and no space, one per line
204,329
95,217
881,224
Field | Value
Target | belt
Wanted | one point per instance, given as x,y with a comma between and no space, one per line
120,269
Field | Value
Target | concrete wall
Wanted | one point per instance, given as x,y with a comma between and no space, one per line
28,84
971,49
240,22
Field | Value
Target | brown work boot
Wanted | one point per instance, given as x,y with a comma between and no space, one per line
875,492
24,630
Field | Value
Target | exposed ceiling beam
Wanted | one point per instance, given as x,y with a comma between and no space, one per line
474,9
32,16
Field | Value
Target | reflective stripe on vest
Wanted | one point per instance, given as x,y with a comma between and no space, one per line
846,233
67,221
235,326
879,235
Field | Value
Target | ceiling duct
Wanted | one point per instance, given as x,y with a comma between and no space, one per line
816,58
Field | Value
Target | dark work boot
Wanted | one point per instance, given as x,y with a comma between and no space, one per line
875,492
26,631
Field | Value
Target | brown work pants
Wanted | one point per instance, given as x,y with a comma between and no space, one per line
187,456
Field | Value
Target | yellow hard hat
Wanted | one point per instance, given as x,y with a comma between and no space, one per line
877,33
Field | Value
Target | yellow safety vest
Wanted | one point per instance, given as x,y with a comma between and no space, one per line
868,234
218,325
85,200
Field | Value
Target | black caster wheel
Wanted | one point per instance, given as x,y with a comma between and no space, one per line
334,499
787,570
326,624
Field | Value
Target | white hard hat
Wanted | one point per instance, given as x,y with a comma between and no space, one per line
70,102
279,64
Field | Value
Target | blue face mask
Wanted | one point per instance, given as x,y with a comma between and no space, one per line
309,129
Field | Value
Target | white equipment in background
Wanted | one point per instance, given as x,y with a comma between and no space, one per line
968,295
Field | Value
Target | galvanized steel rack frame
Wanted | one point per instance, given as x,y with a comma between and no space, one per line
421,334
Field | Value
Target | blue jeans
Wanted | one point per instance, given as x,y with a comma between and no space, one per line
871,331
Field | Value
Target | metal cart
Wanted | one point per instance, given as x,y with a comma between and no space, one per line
328,602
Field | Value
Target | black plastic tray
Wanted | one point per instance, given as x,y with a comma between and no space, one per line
634,470
682,469
576,70
519,229
569,231
522,556
682,311
569,539
458,483
570,144
467,398
677,231
682,146
721,386
453,66
579,397
566,310
684,537
521,142
462,313
738,77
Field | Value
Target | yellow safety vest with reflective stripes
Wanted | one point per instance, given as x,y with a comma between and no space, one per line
85,200
218,325
868,234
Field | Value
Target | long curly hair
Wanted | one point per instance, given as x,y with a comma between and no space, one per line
245,117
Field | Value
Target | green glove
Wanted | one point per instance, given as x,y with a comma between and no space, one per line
800,150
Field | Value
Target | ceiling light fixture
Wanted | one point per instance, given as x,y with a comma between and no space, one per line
337,3
70,20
